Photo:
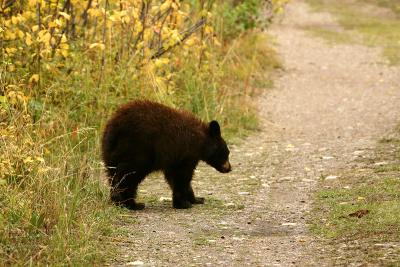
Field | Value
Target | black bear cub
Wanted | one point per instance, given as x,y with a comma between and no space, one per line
144,136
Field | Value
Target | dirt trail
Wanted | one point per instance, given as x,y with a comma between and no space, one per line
329,103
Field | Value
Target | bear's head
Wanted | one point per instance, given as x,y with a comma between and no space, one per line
216,152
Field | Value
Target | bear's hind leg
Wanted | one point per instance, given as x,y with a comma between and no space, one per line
124,187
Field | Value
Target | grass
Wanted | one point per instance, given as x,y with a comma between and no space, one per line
375,189
378,29
380,196
53,196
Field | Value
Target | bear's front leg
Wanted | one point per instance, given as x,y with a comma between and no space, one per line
182,192
192,198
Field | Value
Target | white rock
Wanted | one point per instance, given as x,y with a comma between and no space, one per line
289,224
381,163
331,177
286,178
135,263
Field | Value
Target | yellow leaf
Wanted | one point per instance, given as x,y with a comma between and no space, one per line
161,61
64,52
65,15
208,29
99,45
40,159
126,19
11,50
64,39
28,39
44,36
216,42
9,35
64,46
32,2
58,22
11,68
114,18
153,10
53,41
35,28
165,5
190,41
14,20
28,160
52,24
95,12
21,34
34,78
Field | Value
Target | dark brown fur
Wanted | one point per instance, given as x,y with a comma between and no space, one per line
144,136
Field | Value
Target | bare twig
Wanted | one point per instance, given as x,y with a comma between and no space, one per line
201,34
186,34
103,55
39,22
85,14
143,16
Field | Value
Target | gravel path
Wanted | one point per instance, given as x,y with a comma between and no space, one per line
329,103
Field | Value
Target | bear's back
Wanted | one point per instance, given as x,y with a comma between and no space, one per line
147,117
153,127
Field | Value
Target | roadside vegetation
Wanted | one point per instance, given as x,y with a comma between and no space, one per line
64,68
359,214
375,23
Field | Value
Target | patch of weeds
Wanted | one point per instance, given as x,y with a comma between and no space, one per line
201,241
359,215
220,205
376,29
205,238
380,197
393,5
332,36
389,140
388,168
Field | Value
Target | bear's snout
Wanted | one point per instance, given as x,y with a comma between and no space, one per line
226,167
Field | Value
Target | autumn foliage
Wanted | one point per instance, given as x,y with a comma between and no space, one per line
65,65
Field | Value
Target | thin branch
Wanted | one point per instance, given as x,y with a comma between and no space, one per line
85,14
39,22
186,34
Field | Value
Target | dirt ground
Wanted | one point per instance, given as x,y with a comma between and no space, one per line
330,102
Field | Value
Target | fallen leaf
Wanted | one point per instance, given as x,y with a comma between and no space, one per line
359,213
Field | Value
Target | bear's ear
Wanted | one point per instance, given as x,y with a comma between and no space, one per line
214,129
